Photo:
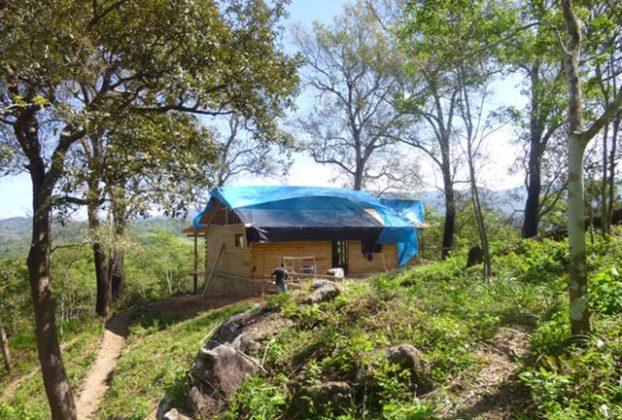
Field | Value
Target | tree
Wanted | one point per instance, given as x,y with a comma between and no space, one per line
146,56
579,136
448,49
4,343
532,51
352,69
239,151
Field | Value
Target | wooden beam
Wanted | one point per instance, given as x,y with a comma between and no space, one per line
196,264
209,279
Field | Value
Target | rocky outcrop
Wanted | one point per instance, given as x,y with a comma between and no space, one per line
408,357
226,361
323,290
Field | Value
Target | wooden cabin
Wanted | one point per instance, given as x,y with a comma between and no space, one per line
244,244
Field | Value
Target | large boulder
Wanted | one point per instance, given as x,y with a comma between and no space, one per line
408,357
325,398
323,290
223,369
226,361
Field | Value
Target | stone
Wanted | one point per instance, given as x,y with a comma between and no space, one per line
475,256
206,403
328,397
174,414
165,405
409,357
325,291
224,368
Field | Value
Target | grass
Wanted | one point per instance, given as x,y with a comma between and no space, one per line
443,309
159,352
28,401
452,316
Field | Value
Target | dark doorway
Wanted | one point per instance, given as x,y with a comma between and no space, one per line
340,255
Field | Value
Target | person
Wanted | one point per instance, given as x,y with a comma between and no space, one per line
280,278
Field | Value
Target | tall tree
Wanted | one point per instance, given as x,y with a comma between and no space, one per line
351,69
532,52
579,136
200,57
448,47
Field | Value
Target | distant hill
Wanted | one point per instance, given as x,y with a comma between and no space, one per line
15,232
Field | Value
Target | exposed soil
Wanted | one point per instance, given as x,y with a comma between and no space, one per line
9,390
496,392
96,382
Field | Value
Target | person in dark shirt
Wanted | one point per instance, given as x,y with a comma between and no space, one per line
280,278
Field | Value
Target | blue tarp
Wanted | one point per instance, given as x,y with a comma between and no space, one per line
289,213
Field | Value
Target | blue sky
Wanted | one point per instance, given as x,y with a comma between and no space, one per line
15,195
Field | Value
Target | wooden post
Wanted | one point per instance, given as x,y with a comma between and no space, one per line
207,281
196,261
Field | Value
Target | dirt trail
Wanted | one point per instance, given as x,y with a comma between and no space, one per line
95,384
11,388
497,389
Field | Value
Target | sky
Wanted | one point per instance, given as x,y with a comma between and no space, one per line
15,194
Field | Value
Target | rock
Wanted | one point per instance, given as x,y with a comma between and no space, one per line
317,283
328,397
245,331
223,365
475,257
223,368
249,340
206,403
324,290
164,406
175,415
409,357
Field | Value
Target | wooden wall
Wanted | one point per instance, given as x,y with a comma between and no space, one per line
235,261
266,257
259,260
358,263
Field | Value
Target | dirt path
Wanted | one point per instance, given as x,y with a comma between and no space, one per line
95,384
496,390
11,388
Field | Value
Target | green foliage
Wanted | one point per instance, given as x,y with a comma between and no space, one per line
258,399
159,352
28,400
606,292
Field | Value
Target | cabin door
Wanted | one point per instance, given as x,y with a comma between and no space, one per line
340,255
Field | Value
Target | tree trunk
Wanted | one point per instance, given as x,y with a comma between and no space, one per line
55,380
534,182
577,280
103,302
612,170
4,343
117,270
450,215
605,222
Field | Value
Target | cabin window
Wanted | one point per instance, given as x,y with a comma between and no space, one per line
369,249
239,240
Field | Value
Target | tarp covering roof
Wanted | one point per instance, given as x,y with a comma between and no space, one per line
287,213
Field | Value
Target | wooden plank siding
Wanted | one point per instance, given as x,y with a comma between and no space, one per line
259,260
266,257
235,261
358,263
